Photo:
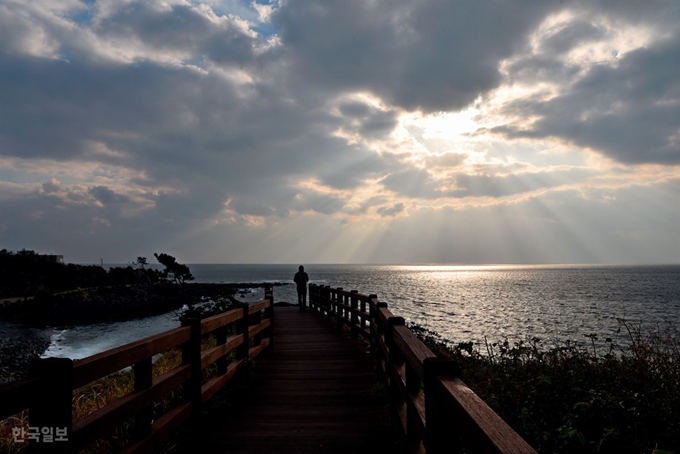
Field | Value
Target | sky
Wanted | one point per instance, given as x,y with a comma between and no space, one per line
341,131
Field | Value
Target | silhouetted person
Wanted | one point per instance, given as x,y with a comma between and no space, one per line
301,280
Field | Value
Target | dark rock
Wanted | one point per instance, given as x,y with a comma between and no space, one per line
19,345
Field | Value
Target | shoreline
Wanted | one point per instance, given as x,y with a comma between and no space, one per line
19,346
115,303
21,342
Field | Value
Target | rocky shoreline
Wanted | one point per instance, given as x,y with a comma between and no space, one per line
115,303
23,336
19,345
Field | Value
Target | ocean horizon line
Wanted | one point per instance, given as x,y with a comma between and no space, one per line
414,264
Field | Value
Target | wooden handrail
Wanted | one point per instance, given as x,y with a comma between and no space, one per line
48,392
428,400
213,354
94,367
210,324
17,396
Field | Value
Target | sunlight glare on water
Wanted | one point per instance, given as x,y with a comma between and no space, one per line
461,303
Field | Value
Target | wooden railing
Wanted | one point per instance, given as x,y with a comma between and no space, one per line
48,393
431,406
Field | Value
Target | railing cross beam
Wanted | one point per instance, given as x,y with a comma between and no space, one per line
48,392
428,401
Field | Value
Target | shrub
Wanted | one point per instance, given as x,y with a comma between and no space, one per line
570,397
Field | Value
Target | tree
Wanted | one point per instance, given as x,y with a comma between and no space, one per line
141,261
173,270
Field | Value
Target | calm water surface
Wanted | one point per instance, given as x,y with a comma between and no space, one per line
462,303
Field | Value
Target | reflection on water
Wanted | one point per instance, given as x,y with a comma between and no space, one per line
462,303
562,302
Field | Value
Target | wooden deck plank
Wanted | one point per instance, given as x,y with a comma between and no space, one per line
316,394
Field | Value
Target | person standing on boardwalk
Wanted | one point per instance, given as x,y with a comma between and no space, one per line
301,280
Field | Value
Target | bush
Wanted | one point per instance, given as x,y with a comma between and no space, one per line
26,273
572,398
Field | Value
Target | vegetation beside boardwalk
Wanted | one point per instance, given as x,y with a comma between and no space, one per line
28,273
98,394
569,398
67,294
76,294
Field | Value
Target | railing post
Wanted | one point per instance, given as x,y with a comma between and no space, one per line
242,352
327,301
143,380
354,319
341,301
191,354
412,382
51,409
345,311
438,437
393,365
363,319
338,308
317,301
255,319
221,339
380,355
372,310
332,303
269,313
312,297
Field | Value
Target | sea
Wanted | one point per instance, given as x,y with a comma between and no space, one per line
481,304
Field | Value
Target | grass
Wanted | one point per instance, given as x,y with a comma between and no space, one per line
569,397
98,394
563,397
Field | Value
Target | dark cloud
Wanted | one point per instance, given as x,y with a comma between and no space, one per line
355,109
50,187
176,120
59,108
180,128
80,229
378,125
368,121
180,29
435,55
662,13
16,32
200,203
629,111
106,196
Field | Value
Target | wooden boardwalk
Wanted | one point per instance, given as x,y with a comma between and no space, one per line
314,387
318,393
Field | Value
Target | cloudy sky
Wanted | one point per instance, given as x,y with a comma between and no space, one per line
350,131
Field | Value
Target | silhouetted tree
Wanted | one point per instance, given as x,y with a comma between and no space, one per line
173,270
